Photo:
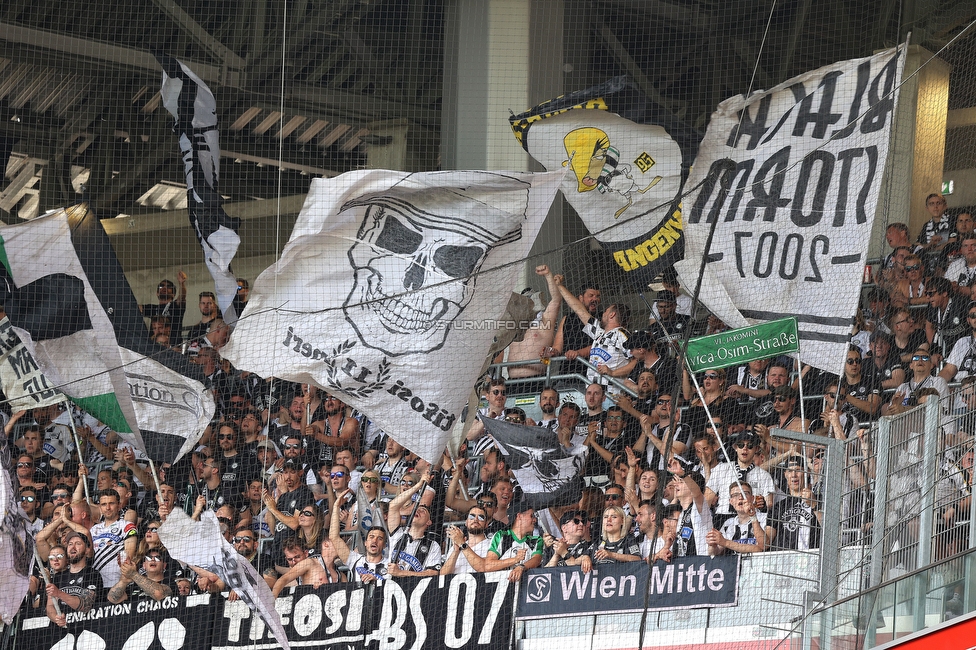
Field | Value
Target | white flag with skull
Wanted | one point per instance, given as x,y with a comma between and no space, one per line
388,292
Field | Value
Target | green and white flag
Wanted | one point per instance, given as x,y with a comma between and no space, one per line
60,319
62,322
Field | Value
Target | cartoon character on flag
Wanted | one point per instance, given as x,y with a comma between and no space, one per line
596,164
629,161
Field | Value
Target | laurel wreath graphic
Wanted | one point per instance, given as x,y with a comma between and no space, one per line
382,373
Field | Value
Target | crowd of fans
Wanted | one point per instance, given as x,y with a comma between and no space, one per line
287,468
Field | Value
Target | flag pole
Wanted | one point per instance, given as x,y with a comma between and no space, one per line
74,434
799,377
152,468
47,579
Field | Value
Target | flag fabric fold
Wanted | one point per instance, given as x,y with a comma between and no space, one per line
16,544
188,99
200,544
628,160
23,383
547,472
81,356
789,178
389,290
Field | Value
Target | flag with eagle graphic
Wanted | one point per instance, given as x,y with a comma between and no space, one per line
548,473
389,292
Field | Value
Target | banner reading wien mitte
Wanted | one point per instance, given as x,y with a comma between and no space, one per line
687,583
738,346
629,159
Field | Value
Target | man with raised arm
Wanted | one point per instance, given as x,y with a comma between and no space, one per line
609,334
363,568
413,551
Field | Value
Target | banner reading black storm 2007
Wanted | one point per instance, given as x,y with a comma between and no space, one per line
629,159
792,176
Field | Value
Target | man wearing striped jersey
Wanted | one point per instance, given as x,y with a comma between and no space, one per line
111,536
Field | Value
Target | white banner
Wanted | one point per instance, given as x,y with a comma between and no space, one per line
792,176
173,410
388,291
200,544
25,386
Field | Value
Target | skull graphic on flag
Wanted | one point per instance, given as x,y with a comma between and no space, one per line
416,263
388,279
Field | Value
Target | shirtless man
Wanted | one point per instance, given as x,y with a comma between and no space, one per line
538,339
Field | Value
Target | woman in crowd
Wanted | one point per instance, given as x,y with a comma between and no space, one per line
370,482
616,544
712,387
641,483
150,541
311,528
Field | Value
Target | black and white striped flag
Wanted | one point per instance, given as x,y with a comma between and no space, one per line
189,100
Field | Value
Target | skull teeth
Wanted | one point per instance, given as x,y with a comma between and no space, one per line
407,319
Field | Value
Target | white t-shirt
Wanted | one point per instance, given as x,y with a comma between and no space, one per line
462,565
358,566
407,558
960,273
724,474
744,533
964,347
938,383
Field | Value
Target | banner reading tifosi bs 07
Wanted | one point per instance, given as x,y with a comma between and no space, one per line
465,612
470,611
620,588
628,159
790,179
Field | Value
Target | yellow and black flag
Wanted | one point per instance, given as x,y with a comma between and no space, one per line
629,159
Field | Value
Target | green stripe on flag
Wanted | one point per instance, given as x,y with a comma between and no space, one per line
106,408
3,258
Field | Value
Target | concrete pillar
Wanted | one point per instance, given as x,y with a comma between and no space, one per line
918,144
500,56
386,147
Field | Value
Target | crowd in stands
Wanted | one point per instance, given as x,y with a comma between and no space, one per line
285,466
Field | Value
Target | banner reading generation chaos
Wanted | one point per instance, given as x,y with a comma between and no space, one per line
629,160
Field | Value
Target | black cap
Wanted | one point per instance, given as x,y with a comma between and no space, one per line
666,296
570,515
518,507
795,460
878,335
640,339
746,436
291,464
